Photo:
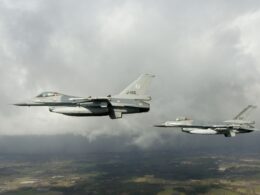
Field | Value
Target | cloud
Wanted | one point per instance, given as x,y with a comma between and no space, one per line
204,55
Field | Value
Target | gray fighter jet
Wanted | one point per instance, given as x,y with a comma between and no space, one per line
229,128
132,99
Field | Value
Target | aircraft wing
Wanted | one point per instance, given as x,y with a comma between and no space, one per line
193,126
88,99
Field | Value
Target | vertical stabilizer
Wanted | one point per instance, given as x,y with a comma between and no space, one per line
244,113
138,88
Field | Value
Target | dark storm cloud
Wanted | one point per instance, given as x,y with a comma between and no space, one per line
203,54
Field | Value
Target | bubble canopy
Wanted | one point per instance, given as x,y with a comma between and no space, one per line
47,94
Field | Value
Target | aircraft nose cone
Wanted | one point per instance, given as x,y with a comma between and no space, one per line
160,125
21,104
25,103
32,102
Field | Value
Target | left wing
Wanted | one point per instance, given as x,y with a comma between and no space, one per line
174,125
88,99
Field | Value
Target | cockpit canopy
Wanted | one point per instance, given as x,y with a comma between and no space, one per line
183,119
48,94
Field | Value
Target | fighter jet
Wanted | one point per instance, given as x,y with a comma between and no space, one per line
229,128
132,99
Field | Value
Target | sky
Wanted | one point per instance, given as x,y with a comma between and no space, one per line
205,55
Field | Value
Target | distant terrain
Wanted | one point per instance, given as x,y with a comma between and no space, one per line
161,173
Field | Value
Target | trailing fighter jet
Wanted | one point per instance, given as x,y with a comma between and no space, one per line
239,124
132,99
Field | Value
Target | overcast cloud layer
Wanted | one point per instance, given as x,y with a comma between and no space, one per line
205,55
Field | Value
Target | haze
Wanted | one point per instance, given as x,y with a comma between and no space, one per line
205,55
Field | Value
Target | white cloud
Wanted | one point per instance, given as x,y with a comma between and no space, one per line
205,61
118,22
25,5
249,28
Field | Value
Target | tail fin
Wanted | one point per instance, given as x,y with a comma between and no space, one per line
242,117
138,88
244,113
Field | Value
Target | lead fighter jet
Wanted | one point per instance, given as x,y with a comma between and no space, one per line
239,124
132,99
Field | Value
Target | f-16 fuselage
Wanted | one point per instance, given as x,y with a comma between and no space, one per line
113,106
229,129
